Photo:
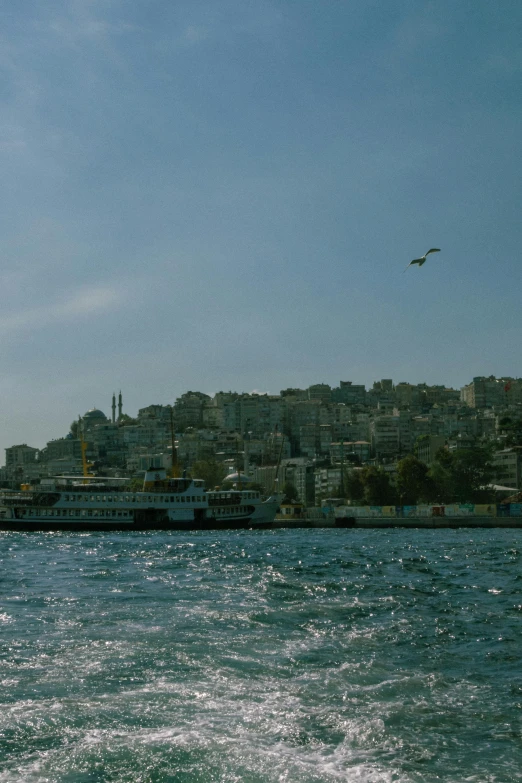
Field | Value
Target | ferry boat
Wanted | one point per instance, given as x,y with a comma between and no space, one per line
95,503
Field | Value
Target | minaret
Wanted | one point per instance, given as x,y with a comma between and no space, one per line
120,405
113,408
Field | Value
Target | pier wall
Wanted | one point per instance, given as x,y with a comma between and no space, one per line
468,515
412,523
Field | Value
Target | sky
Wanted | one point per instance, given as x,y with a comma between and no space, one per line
225,195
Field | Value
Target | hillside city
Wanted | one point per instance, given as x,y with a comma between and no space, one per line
321,442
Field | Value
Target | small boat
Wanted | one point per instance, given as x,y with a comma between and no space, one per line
103,503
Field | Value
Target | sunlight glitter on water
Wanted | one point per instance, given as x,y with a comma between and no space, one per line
344,656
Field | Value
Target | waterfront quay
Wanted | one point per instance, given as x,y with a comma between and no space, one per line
420,523
425,517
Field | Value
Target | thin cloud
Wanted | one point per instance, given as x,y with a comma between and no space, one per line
85,302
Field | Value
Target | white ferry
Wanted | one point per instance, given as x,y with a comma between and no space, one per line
94,503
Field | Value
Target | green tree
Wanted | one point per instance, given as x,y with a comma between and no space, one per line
413,482
462,476
514,433
354,486
210,470
378,490
125,420
418,442
291,494
442,477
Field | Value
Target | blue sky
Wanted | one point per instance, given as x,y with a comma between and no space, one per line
224,195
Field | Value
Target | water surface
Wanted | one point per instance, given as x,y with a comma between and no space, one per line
292,655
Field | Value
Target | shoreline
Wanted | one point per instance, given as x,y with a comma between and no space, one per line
414,523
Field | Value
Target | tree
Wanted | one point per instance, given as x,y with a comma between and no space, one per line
514,433
378,490
125,420
291,494
419,441
471,472
354,486
462,476
210,470
413,482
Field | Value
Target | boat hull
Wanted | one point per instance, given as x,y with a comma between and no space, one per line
113,525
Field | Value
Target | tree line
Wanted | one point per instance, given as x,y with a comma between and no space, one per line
461,476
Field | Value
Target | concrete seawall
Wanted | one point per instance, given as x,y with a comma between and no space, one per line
423,523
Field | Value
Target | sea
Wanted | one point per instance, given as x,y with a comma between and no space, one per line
288,656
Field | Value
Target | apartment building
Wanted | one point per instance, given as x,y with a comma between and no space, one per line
21,463
507,466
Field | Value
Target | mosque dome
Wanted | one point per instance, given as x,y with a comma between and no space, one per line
95,415
92,419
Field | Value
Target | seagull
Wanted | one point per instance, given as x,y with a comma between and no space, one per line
421,260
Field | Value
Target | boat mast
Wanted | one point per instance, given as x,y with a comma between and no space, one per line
238,465
83,446
174,471
278,463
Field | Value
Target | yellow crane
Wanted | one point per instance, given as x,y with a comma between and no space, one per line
83,446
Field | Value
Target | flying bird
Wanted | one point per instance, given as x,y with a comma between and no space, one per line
422,259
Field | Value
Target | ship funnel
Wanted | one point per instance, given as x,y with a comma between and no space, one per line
152,477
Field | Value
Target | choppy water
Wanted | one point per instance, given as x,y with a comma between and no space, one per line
293,655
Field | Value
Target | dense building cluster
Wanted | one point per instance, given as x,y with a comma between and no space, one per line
307,436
